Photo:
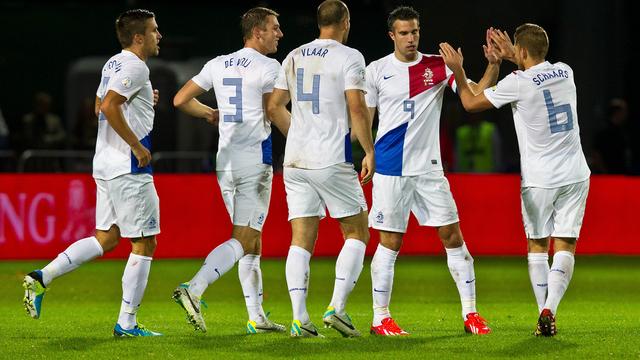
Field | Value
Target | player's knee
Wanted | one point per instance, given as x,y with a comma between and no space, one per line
108,241
538,245
451,238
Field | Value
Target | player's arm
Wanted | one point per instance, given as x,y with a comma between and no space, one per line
471,101
185,100
360,126
111,108
96,107
277,109
492,71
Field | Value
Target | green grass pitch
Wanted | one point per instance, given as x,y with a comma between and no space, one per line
598,318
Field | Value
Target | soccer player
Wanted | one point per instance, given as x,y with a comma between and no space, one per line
555,175
325,81
242,82
127,203
407,88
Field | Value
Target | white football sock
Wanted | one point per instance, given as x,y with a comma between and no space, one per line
75,255
218,262
348,268
382,269
460,265
134,282
251,281
538,274
559,278
297,273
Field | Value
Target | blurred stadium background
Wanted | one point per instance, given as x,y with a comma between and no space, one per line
50,64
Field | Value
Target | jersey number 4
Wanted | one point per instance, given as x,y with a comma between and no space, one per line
554,111
234,100
313,96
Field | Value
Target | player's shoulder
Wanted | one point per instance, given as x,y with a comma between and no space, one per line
563,66
130,63
351,52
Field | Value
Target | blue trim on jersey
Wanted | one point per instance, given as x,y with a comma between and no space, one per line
135,169
267,147
348,156
389,150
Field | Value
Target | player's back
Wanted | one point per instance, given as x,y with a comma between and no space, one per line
546,121
240,80
317,75
127,75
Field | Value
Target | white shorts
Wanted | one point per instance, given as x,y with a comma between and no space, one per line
246,193
427,196
556,212
336,187
130,202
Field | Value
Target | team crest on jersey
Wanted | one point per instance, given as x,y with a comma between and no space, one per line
428,77
380,217
126,82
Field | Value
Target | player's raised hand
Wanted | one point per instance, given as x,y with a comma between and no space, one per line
503,45
368,168
156,96
212,116
451,57
490,51
141,153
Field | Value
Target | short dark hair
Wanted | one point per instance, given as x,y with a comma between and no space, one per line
533,38
130,23
331,12
402,13
255,17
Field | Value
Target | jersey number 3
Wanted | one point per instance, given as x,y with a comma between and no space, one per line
234,100
554,111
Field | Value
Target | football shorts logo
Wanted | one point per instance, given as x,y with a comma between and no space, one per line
428,77
261,219
126,82
152,223
379,217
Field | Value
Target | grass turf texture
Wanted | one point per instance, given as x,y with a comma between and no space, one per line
599,316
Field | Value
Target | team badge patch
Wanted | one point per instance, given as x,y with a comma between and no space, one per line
126,82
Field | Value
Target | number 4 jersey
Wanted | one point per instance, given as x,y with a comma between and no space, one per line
543,101
317,75
239,81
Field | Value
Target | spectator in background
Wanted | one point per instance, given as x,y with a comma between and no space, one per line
477,146
86,126
42,129
4,133
614,145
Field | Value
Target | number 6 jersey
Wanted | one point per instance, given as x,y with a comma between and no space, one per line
317,75
543,101
239,81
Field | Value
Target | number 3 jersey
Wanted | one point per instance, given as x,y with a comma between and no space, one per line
543,101
409,101
317,75
239,81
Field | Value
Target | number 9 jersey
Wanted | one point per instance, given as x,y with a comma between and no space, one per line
543,101
317,75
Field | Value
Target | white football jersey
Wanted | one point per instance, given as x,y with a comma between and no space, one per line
543,101
409,101
239,80
128,76
317,75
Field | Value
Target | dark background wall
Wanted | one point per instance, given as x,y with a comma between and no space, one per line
41,38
